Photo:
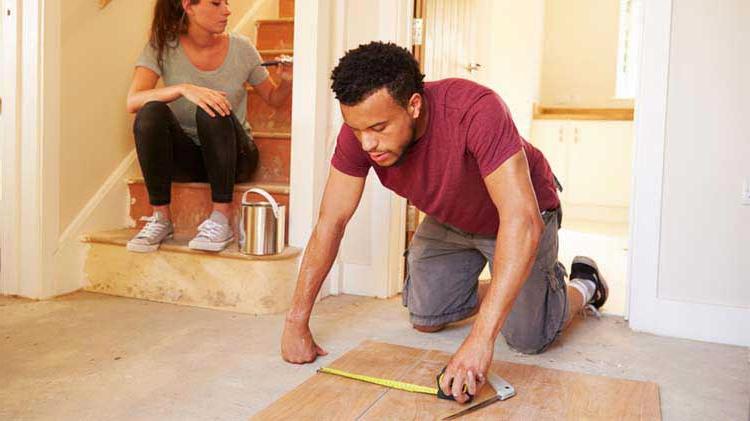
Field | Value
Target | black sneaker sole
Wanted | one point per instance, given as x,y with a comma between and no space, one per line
585,268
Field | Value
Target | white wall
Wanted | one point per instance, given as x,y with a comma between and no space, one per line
510,37
98,49
580,53
256,9
704,254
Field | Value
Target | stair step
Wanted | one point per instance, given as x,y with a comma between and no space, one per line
272,135
191,203
266,118
275,34
269,54
275,157
179,244
286,8
176,274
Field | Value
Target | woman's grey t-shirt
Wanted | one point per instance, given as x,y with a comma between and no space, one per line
242,64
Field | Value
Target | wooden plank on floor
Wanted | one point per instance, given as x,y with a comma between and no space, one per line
541,393
324,396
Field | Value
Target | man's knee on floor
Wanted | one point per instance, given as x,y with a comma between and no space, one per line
528,345
429,329
152,115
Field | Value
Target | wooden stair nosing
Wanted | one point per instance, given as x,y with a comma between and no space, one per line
179,245
272,135
276,51
271,187
275,20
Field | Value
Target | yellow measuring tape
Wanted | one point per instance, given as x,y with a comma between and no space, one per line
393,384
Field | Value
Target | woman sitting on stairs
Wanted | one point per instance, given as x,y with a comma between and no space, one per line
194,128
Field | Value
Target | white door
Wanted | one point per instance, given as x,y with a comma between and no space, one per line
450,39
710,62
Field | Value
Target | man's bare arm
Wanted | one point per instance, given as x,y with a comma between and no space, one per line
518,237
521,227
340,200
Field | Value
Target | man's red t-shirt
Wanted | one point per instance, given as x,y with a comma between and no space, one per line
470,133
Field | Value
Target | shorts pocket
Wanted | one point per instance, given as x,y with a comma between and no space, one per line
405,289
405,292
556,277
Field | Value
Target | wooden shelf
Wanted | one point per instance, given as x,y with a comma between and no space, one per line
560,113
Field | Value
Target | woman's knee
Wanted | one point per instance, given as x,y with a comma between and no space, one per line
152,116
217,123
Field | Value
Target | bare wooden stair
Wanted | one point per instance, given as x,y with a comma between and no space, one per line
177,274
228,280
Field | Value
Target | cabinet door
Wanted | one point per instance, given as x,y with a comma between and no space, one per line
600,163
549,137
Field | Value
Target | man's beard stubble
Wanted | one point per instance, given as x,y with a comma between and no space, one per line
408,147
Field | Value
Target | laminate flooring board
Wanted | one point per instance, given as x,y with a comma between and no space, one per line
541,393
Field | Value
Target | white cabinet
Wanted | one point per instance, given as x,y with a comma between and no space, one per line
592,160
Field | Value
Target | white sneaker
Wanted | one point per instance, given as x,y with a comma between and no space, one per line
214,234
157,229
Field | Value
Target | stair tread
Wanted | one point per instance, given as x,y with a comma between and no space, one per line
275,20
179,245
271,187
270,51
272,135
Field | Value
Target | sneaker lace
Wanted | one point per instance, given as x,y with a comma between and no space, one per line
152,228
210,229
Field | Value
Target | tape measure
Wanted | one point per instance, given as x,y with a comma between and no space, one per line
394,384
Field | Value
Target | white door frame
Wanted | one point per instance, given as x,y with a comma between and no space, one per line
10,205
319,41
649,312
30,204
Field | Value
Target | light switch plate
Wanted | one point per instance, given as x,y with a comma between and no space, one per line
746,192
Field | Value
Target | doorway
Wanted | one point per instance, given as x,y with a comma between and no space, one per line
571,100
583,123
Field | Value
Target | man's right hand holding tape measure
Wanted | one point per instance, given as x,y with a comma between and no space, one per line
469,365
465,374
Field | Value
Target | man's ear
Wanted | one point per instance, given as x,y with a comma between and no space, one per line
416,102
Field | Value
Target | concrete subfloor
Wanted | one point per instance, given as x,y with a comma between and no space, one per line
91,357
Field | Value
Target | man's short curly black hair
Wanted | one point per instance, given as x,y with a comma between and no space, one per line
370,67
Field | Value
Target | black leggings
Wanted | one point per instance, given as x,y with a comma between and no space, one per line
166,153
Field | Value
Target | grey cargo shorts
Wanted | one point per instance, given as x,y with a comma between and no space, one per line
441,285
